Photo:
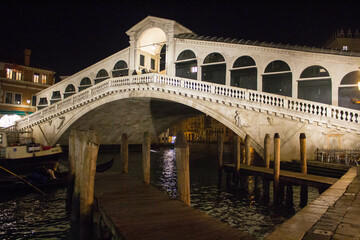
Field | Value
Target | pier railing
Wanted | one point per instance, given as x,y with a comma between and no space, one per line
339,156
312,112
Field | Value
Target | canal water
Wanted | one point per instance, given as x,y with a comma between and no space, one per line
33,216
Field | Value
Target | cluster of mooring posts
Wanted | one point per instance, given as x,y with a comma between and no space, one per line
83,151
238,172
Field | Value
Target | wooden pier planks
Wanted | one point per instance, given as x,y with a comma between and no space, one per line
139,211
286,176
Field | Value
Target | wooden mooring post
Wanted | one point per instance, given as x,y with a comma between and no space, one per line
266,183
146,157
276,190
71,171
182,163
88,172
237,160
85,146
220,156
304,188
124,153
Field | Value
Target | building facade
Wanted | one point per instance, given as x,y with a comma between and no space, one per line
19,84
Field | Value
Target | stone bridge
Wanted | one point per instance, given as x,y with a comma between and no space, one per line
154,102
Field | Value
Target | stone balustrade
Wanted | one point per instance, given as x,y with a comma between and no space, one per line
260,101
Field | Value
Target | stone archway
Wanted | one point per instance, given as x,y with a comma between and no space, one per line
149,46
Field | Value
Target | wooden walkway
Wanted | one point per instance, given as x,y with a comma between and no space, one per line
134,210
286,176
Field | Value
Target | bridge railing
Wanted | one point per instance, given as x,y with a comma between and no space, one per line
211,90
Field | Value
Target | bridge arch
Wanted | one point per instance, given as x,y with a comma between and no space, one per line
101,75
186,65
244,73
149,48
120,69
84,83
315,85
214,68
348,90
155,95
277,78
69,90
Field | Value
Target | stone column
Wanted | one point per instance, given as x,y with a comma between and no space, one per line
124,153
183,173
146,157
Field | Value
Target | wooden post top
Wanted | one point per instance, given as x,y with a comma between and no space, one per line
181,140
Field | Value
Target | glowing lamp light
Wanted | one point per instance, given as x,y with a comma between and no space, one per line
28,101
359,85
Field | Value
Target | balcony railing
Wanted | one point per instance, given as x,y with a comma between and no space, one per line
311,111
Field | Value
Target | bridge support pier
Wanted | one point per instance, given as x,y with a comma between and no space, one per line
124,153
183,173
146,157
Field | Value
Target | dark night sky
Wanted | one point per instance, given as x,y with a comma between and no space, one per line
69,36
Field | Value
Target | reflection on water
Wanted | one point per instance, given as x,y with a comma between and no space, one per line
244,211
33,216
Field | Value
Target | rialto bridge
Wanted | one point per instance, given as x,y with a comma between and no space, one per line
168,73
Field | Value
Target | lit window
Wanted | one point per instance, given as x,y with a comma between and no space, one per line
194,69
9,73
43,79
13,74
18,75
18,98
36,78
345,48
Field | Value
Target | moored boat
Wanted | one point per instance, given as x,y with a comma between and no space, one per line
19,151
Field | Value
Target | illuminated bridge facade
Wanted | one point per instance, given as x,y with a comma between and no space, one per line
169,73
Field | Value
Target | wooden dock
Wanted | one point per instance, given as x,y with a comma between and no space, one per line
133,210
285,176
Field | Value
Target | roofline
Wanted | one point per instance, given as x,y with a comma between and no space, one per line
266,44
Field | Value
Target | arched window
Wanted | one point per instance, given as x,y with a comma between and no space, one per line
84,83
348,90
101,76
120,69
186,65
214,69
315,85
69,90
56,96
43,103
277,78
163,58
244,73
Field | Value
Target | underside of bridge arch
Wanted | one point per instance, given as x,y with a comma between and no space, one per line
132,116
